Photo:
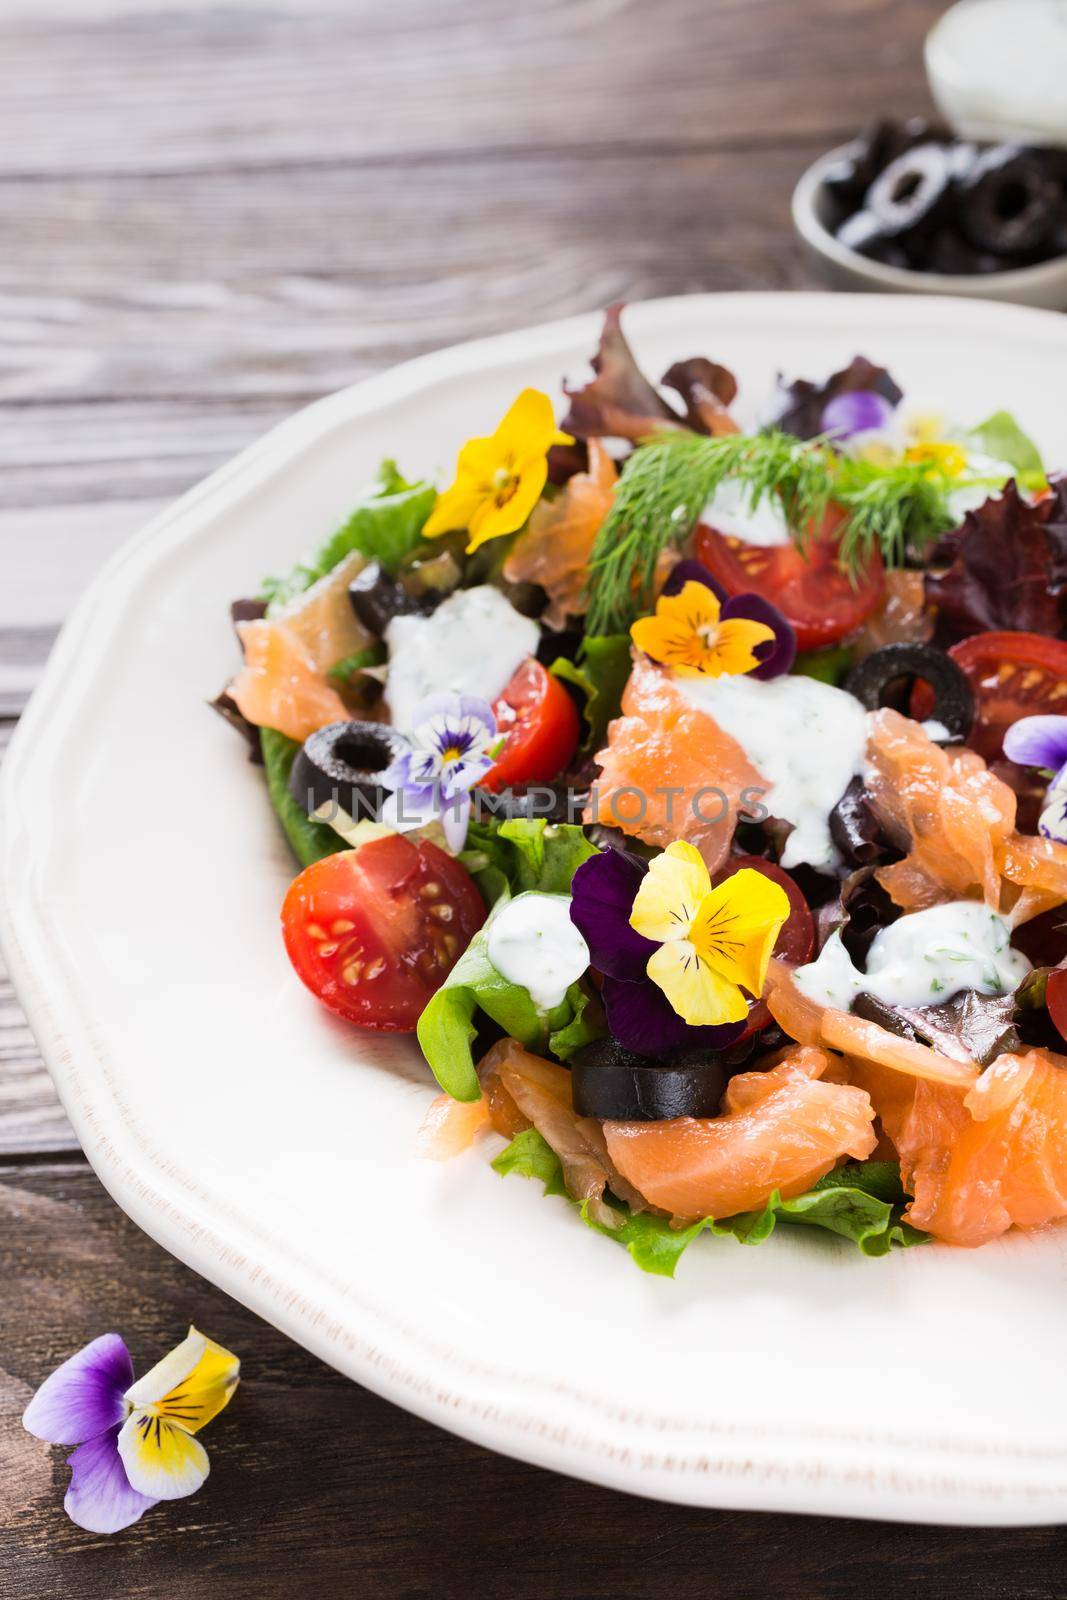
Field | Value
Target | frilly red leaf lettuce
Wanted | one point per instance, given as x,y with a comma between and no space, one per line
620,403
1006,568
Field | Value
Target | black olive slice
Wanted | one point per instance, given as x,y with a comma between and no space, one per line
377,598
953,699
865,234
871,152
909,189
1010,202
338,764
614,1086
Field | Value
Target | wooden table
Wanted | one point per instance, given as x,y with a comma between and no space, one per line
210,215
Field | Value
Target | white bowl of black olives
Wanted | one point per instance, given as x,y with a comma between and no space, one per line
907,207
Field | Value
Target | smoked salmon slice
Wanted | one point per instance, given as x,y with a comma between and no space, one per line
782,1129
980,1161
661,768
279,685
283,682
950,813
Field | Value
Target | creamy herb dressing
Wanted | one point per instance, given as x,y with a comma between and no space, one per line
806,739
921,960
532,942
471,644
730,511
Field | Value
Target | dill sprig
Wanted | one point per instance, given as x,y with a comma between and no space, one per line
670,478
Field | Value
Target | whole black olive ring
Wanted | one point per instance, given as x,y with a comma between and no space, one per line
338,766
953,698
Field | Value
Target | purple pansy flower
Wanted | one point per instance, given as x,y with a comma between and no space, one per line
136,1441
776,655
1042,742
450,749
856,411
638,1013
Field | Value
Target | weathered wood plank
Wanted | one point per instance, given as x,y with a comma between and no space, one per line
313,1475
242,285
421,79
121,451
32,1121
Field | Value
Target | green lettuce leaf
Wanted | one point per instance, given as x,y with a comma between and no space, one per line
386,526
527,854
531,1156
861,1201
446,1028
1001,437
310,841
372,655
601,676
586,1024
828,666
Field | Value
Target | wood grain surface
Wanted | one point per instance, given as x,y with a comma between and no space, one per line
210,214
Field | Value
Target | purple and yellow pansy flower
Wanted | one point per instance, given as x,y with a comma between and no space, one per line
499,478
675,952
451,746
700,631
136,1440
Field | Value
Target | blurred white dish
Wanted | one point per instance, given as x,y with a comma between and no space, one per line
997,69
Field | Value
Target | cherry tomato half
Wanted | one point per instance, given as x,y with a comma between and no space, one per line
541,723
811,589
795,942
1056,999
1013,675
374,932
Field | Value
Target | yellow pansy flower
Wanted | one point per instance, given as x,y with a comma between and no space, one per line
713,942
166,1408
688,635
499,479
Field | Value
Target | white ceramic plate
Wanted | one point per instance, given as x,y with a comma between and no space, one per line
273,1150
